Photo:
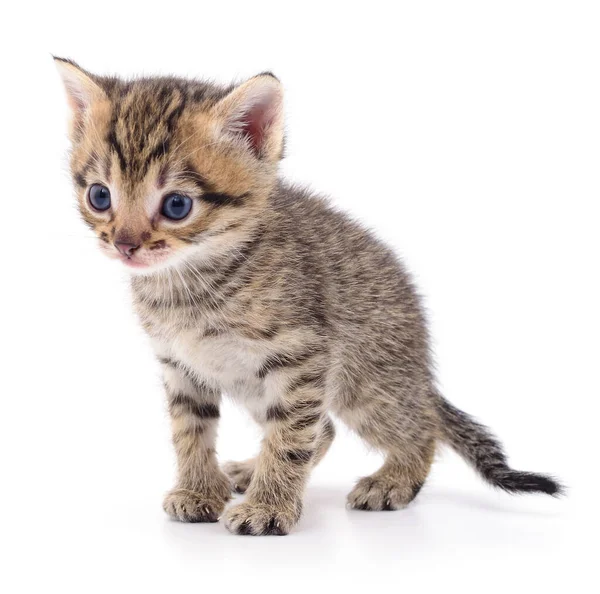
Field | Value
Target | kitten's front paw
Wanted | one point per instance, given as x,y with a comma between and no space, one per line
188,506
260,519
240,474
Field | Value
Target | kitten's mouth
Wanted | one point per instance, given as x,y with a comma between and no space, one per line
144,262
133,262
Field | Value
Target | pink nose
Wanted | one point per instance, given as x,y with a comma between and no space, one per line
125,248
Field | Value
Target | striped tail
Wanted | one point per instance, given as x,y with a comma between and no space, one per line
477,445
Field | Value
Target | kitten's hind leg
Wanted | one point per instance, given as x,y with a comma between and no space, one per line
405,433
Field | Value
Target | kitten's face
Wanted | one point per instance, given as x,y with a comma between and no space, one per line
167,169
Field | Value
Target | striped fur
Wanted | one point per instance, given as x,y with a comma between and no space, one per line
265,293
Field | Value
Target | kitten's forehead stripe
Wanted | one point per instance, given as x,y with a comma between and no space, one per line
142,127
115,144
145,116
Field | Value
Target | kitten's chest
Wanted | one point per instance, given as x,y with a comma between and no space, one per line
224,360
215,343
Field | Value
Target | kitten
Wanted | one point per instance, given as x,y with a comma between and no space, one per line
249,286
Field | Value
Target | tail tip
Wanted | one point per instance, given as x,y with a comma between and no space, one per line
529,482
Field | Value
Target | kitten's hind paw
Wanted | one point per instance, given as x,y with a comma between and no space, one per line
188,506
240,474
382,493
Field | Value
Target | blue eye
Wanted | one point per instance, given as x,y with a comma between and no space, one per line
99,197
176,207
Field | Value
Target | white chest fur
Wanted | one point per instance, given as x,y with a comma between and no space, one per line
226,362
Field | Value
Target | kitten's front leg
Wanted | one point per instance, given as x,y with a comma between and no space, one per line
202,490
274,497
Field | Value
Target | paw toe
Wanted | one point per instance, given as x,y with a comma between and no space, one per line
274,528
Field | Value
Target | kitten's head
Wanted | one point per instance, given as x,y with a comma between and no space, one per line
167,168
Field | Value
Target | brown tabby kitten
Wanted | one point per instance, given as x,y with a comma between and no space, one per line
250,286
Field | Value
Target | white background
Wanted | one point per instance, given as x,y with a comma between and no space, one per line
468,135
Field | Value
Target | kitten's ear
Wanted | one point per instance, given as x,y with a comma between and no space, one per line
253,113
82,90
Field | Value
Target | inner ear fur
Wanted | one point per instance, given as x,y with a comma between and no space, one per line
252,114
